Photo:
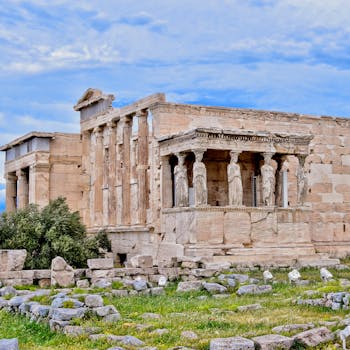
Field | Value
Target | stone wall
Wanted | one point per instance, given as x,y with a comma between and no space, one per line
327,165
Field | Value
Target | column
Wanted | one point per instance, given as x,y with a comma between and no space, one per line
142,167
125,163
166,183
200,180
181,182
302,180
86,177
11,192
22,189
98,184
234,178
112,173
39,183
268,181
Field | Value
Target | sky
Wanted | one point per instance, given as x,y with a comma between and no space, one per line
282,55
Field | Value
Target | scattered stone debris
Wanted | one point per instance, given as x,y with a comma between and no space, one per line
314,337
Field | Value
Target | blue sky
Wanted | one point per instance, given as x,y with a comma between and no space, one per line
286,55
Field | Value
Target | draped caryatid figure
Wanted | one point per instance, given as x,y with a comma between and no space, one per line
181,182
302,180
200,180
268,181
235,189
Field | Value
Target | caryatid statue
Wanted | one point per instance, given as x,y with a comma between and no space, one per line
302,180
181,182
268,181
200,180
235,189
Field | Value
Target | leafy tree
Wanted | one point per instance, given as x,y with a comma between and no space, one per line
50,232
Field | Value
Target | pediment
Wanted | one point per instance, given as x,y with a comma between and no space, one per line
92,96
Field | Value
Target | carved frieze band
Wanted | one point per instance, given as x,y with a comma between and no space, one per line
254,138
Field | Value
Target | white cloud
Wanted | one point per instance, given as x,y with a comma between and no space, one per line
32,123
86,34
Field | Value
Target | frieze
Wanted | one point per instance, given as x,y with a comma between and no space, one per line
242,137
235,209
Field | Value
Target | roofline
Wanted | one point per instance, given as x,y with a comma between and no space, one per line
252,110
31,135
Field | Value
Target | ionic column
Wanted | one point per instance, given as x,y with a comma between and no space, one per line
98,190
86,177
234,178
302,179
200,180
22,189
181,182
11,192
142,166
268,181
111,174
125,162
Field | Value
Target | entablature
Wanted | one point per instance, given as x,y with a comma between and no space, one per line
236,140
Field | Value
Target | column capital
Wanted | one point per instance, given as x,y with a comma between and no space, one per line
199,153
86,132
126,119
97,130
11,177
181,157
112,124
301,158
20,173
142,113
268,156
234,156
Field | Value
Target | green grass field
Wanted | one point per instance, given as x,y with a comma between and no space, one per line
208,318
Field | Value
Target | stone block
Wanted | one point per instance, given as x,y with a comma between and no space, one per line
210,227
233,343
45,283
185,228
93,300
264,228
237,227
12,259
100,264
141,261
167,251
314,337
40,274
189,286
63,314
62,274
272,342
254,289
9,344
99,274
83,284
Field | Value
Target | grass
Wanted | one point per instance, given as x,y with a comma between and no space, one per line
208,317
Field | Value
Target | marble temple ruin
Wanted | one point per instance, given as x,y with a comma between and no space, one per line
168,179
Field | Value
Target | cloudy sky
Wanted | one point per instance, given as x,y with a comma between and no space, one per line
285,55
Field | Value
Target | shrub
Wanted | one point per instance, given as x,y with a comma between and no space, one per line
50,232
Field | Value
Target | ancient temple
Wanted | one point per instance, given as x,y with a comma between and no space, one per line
168,179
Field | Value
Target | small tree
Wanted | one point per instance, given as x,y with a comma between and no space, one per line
47,233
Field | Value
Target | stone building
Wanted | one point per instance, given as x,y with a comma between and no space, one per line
168,179
41,166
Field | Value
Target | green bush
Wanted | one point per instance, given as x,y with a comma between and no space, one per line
50,232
